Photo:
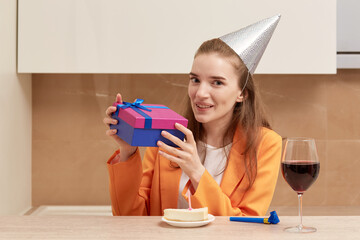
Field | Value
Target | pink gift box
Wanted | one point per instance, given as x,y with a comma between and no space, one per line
140,127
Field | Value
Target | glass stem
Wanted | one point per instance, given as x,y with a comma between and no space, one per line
300,194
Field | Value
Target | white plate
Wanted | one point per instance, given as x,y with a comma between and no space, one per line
189,224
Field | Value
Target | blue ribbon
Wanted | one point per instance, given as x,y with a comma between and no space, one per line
137,107
134,105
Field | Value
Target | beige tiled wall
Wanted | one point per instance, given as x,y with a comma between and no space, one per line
70,147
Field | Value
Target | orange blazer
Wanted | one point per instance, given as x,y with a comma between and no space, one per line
148,187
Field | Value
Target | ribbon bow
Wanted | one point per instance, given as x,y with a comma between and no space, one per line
137,107
136,104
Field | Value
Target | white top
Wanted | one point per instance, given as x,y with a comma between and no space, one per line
215,163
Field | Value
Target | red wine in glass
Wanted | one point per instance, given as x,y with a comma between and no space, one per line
300,175
300,167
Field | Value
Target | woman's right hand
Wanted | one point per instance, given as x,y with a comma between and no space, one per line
126,150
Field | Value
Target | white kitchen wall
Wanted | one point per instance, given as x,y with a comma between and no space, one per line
15,120
142,36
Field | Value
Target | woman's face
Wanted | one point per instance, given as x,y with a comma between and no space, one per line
213,89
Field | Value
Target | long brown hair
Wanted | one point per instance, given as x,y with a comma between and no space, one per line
248,115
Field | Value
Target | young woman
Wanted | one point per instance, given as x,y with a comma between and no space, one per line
229,161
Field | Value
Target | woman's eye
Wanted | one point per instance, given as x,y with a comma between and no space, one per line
194,80
218,83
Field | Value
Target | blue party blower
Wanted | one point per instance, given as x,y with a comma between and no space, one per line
273,219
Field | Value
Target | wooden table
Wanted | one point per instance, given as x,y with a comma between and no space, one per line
105,227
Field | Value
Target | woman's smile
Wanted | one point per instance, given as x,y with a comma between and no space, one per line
203,106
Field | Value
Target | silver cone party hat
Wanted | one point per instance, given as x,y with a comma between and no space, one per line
250,42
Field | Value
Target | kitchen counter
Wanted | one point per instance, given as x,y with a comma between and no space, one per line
135,227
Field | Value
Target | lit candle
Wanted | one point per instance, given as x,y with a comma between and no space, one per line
189,199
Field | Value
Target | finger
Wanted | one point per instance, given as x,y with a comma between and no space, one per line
109,121
177,141
170,157
171,150
118,98
111,132
188,133
110,110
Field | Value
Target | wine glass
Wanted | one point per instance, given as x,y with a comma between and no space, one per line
300,167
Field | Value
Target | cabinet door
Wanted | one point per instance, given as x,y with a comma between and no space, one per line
348,34
161,36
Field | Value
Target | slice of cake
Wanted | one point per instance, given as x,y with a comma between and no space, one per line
186,215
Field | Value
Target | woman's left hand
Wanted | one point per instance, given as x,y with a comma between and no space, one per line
186,157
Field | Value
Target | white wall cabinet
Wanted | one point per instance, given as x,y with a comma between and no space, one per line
348,34
142,36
